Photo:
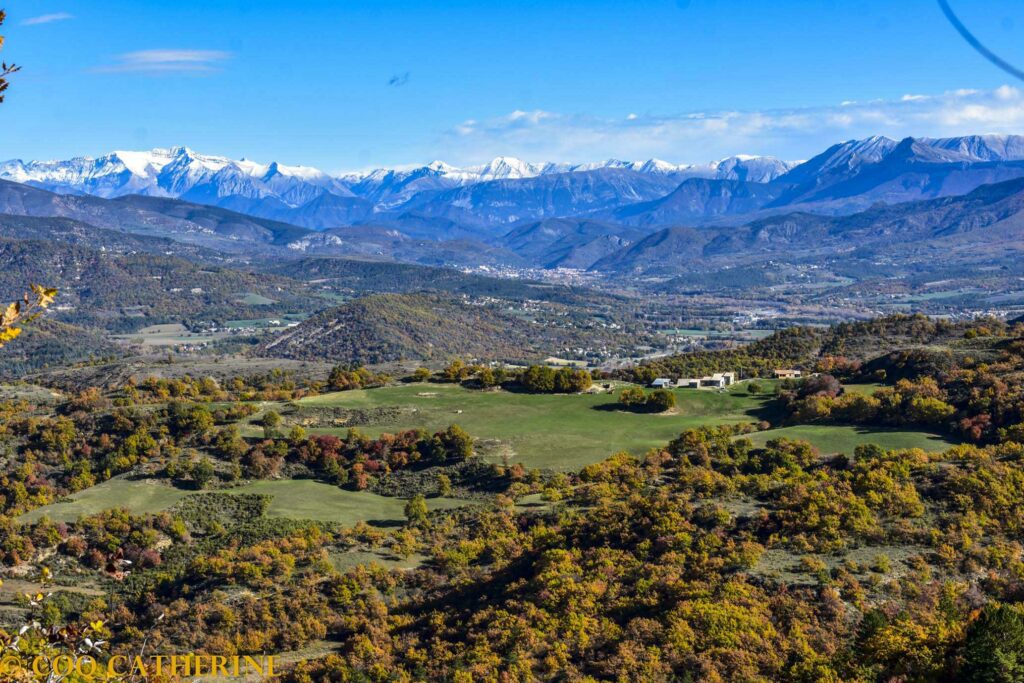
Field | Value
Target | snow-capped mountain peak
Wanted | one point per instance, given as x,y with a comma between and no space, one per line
272,188
505,190
508,168
167,172
980,148
441,167
658,166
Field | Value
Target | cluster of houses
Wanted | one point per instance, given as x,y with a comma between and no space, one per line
719,380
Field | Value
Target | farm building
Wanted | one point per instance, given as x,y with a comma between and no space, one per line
787,373
719,380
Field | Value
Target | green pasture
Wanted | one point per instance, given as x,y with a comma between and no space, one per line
253,299
830,439
567,432
555,431
294,499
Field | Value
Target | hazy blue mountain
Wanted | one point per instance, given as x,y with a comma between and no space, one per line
77,233
986,224
696,201
856,174
311,198
198,224
386,243
569,242
324,211
667,250
482,203
844,179
496,203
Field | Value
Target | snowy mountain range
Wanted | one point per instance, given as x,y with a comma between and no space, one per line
182,173
441,200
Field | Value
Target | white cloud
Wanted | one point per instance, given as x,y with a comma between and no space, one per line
699,136
167,61
47,18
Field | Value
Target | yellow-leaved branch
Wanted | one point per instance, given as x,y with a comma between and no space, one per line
19,313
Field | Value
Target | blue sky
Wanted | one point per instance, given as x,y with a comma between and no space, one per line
350,84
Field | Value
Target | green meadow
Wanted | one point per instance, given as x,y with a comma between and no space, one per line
566,432
562,432
831,439
295,499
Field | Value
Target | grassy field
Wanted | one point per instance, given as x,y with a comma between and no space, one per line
865,389
556,431
171,334
32,393
295,499
842,439
266,322
144,495
307,499
564,432
251,299
343,561
567,432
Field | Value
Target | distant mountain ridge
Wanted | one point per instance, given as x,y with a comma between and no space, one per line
441,201
309,197
611,217
984,225
179,171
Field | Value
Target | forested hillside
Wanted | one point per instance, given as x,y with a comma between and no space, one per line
385,327
380,276
806,347
123,292
52,344
727,552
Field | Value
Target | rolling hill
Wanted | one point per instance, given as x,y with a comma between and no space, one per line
357,276
123,292
388,327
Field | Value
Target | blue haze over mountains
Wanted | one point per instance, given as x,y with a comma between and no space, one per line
613,216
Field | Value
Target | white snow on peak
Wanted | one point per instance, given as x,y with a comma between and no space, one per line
185,173
441,167
659,166
179,171
508,168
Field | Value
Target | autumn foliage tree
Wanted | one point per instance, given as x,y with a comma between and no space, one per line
27,309
31,306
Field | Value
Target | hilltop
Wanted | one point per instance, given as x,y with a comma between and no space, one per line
387,327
